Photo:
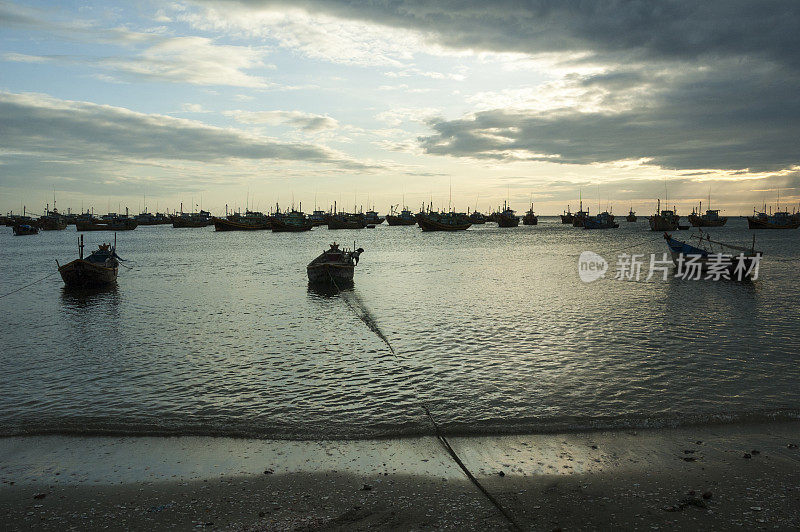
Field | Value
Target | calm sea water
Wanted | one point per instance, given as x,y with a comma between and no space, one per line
218,333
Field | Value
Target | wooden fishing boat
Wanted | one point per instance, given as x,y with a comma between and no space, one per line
51,220
740,262
109,222
710,219
334,266
631,216
371,217
530,217
291,222
776,220
604,220
98,269
318,217
404,217
25,229
580,217
191,220
507,217
567,218
344,220
443,221
665,220
477,218
251,221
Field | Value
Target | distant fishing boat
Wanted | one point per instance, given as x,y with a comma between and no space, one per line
251,221
711,218
703,253
665,220
404,217
580,217
443,221
345,220
631,216
507,217
371,217
530,217
567,218
148,218
776,220
25,229
193,219
291,222
334,266
477,218
604,220
51,220
98,269
109,222
317,217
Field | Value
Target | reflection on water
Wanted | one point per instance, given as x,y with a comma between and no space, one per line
220,333
90,298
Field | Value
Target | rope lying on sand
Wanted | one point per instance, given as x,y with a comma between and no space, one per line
369,321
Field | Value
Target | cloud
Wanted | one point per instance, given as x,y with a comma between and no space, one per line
308,122
395,117
38,126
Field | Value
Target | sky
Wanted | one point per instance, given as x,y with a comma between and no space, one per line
108,105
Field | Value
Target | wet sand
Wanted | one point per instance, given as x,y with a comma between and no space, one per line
710,477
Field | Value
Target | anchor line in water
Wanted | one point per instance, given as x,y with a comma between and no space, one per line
29,284
370,323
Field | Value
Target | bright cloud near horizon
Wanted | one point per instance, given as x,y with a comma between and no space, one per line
217,101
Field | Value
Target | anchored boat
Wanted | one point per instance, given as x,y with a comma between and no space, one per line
443,221
507,217
25,229
530,217
775,220
251,221
334,266
404,217
604,220
567,218
631,216
665,220
98,269
291,222
706,256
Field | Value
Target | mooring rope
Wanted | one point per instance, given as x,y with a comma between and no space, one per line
30,284
370,323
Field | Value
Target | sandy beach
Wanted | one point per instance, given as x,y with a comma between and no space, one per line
710,477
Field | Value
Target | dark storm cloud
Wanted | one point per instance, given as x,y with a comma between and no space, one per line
51,128
685,84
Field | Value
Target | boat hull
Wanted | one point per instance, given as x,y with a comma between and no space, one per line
98,226
630,218
507,221
344,224
530,220
328,273
660,223
698,221
25,230
221,224
180,223
397,220
432,225
280,227
83,274
755,223
567,219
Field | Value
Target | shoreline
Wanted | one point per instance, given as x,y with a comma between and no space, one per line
634,479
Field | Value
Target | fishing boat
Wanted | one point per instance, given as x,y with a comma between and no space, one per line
251,221
775,220
631,216
318,217
334,266
148,218
109,222
530,217
443,221
192,220
580,217
604,220
25,229
476,218
51,220
345,220
665,220
98,269
507,217
567,218
711,218
291,222
404,217
739,263
371,217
